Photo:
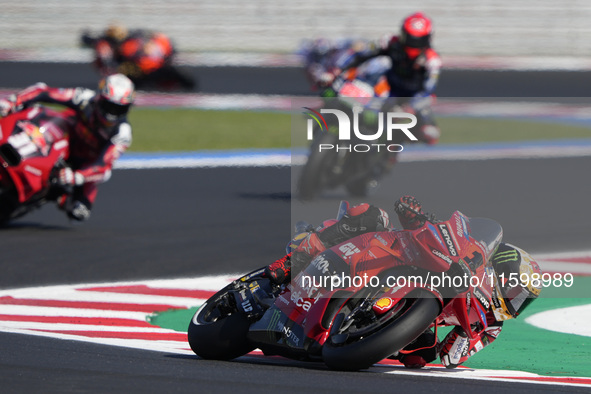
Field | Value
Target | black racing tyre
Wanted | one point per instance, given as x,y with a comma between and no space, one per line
358,187
318,167
362,352
218,333
8,203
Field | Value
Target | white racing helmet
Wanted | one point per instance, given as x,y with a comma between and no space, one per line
115,96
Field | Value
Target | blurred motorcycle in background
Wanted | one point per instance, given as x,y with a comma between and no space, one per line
363,89
146,57
363,86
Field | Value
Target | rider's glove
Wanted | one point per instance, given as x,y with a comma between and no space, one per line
410,213
68,177
457,347
280,270
6,107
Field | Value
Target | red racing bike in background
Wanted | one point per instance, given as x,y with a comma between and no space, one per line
33,148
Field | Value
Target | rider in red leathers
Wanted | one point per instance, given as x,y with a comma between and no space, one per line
101,134
456,347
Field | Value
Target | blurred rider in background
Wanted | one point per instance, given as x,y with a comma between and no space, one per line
102,133
508,301
322,57
412,74
144,56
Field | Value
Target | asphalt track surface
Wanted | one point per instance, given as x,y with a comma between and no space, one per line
152,224
291,81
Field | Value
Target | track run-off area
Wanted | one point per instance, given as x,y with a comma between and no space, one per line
153,315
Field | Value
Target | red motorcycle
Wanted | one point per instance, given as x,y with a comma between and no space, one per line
360,301
33,147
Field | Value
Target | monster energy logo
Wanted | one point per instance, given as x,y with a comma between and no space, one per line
507,256
273,321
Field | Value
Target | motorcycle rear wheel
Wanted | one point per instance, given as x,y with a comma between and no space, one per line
216,332
365,347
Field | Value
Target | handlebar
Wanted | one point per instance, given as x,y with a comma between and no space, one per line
422,216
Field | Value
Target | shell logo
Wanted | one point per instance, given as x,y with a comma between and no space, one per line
383,304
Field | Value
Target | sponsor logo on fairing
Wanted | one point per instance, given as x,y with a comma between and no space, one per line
481,298
246,306
307,296
321,264
442,256
245,303
283,299
461,227
305,305
274,322
382,240
448,241
495,298
383,304
465,349
349,249
288,333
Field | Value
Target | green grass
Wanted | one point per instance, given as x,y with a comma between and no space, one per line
471,130
190,130
193,129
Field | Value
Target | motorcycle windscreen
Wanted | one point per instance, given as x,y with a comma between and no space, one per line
488,233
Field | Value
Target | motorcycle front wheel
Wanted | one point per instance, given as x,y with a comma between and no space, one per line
218,330
364,343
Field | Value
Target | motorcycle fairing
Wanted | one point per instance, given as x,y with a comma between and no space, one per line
36,141
296,322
